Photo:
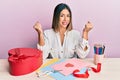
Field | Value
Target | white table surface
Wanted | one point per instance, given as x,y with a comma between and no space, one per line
110,71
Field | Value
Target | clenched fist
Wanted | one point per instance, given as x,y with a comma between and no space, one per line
88,27
38,27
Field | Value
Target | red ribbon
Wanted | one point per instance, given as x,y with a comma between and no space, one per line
86,74
18,56
98,68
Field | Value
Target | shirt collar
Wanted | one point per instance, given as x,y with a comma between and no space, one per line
64,33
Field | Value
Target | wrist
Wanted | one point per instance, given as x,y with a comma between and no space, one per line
40,32
85,30
85,34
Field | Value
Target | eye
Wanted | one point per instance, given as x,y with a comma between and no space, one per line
68,15
62,15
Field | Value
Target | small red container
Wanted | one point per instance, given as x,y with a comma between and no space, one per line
24,60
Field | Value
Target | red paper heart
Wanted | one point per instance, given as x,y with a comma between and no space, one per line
69,65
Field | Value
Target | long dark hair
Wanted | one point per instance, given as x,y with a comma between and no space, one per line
56,16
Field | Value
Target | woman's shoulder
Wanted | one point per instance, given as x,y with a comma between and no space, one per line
48,30
74,32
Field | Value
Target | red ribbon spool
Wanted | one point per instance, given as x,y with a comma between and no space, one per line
86,74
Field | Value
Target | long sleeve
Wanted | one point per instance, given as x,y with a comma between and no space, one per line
80,48
50,42
44,48
72,41
76,45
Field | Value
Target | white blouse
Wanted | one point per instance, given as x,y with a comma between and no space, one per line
73,44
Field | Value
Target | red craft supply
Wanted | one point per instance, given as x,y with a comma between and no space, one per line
69,65
86,74
24,60
98,68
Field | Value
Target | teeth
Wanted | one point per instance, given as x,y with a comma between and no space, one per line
64,23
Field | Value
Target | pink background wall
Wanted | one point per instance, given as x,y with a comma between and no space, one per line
17,18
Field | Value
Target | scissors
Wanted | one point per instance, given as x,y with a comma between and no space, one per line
46,73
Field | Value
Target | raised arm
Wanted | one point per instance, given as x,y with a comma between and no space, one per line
39,30
87,28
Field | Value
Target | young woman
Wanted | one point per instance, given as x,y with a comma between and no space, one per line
61,41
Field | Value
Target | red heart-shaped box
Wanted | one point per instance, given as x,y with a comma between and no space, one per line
24,60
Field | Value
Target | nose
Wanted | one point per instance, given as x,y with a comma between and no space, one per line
65,18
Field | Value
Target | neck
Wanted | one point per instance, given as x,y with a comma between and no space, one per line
62,34
62,30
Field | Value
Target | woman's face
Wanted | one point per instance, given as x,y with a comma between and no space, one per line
64,19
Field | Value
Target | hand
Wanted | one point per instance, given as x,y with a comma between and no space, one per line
88,27
38,27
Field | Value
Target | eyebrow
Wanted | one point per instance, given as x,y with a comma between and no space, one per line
64,14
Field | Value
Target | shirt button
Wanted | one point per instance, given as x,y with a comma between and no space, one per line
61,51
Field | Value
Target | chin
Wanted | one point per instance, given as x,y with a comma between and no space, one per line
65,26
